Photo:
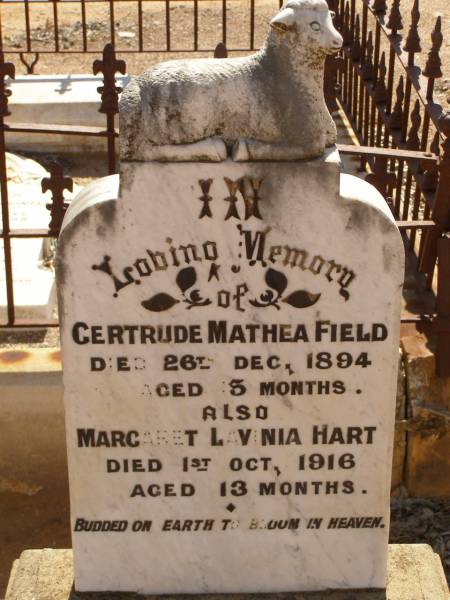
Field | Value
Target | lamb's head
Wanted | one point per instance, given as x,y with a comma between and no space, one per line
308,25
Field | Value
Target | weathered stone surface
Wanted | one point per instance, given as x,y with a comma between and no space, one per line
271,102
414,573
219,251
428,457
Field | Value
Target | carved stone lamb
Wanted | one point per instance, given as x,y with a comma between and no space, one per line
267,106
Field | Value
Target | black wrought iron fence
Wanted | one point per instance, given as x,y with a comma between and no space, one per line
155,25
404,134
390,104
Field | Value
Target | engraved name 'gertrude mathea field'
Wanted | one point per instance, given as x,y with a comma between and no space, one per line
230,340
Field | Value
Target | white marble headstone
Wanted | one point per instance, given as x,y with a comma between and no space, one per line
230,340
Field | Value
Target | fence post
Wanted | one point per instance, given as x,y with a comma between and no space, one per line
6,69
441,209
109,66
437,245
442,322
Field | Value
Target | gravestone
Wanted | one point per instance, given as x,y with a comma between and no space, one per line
230,345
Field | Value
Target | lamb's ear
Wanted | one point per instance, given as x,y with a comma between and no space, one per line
284,20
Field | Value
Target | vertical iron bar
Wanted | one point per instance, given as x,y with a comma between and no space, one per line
83,24
27,25
350,61
252,24
140,27
390,77
224,22
55,22
196,25
6,228
111,23
111,144
443,308
390,90
376,62
415,212
168,42
399,186
406,108
407,196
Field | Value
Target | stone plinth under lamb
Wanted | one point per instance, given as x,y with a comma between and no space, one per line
267,106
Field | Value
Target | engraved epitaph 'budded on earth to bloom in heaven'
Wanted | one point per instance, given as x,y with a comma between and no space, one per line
229,326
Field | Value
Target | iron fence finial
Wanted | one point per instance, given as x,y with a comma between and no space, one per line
413,141
379,6
347,32
380,91
412,43
356,48
396,118
367,66
395,21
109,66
433,66
56,183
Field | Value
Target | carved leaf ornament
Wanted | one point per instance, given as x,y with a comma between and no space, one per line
275,280
278,282
159,302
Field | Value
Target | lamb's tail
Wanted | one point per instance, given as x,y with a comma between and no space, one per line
130,118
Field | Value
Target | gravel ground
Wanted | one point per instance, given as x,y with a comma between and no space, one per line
422,521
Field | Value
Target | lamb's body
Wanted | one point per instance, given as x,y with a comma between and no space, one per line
274,97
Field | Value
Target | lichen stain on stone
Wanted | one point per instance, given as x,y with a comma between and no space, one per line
79,221
127,180
107,211
287,402
359,218
387,259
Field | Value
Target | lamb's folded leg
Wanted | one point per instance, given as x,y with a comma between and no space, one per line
211,149
248,150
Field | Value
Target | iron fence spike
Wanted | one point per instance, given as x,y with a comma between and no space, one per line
433,66
56,183
109,65
412,43
444,127
395,21
356,47
380,91
379,6
413,141
396,118
367,66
